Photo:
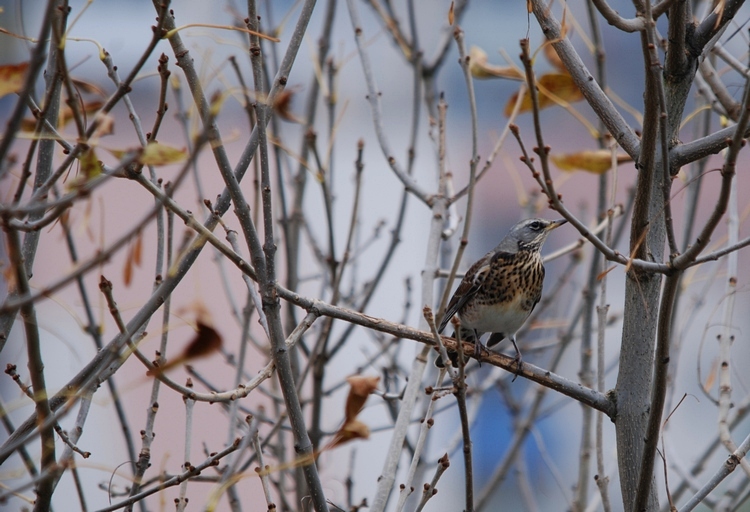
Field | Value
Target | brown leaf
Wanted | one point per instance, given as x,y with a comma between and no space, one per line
66,114
156,153
480,68
105,125
138,249
205,342
561,85
360,388
88,87
554,58
127,270
282,106
12,78
451,15
349,432
596,162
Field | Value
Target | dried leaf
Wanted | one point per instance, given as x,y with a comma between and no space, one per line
133,259
88,87
91,167
596,162
451,15
349,432
12,78
127,270
138,249
66,113
360,388
711,377
156,153
480,68
105,125
561,85
553,57
205,342
282,106
65,116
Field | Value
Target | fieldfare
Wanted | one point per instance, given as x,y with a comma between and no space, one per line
499,292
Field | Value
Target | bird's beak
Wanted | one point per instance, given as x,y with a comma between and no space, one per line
556,224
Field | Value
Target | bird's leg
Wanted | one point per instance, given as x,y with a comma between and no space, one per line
478,347
517,359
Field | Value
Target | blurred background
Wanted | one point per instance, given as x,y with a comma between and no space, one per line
549,454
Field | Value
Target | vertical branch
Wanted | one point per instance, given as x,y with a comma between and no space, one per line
602,479
642,291
726,338
426,424
189,406
265,265
586,373
464,61
36,372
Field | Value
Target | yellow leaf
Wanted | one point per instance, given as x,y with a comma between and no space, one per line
12,77
560,85
156,153
480,68
90,164
597,162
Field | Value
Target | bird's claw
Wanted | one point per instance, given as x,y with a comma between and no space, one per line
519,366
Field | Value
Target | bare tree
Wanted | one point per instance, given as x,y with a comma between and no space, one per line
339,168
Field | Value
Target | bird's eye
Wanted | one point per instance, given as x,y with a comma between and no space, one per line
536,225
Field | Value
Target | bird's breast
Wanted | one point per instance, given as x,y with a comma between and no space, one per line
508,294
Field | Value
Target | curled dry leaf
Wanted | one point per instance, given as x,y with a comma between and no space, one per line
105,125
596,162
133,259
480,68
360,388
12,78
349,432
88,87
560,85
282,106
66,115
205,342
156,153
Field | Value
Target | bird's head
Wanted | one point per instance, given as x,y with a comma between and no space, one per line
529,234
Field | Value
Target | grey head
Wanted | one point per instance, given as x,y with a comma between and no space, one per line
528,235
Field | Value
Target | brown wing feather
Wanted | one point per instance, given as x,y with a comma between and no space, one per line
469,286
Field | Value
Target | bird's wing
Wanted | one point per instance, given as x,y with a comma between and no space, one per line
469,286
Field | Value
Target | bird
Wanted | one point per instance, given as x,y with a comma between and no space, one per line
499,291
